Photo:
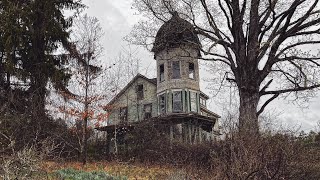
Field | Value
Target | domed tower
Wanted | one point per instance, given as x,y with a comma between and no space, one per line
176,50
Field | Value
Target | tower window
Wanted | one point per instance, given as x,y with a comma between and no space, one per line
162,104
161,72
147,111
193,101
191,71
139,89
177,101
176,70
123,114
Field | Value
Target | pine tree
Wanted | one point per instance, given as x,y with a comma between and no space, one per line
32,32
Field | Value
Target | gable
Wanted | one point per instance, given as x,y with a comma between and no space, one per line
129,91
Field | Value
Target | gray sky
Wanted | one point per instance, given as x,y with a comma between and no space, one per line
117,18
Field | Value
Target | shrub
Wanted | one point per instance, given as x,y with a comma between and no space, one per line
266,156
20,165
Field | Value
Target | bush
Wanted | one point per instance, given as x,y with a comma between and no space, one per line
20,165
277,156
72,174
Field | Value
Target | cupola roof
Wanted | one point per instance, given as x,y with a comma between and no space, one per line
174,33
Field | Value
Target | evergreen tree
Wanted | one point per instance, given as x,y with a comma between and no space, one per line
32,32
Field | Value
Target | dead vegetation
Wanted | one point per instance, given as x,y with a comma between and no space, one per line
268,156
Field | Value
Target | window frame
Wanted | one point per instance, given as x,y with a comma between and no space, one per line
164,103
191,102
173,101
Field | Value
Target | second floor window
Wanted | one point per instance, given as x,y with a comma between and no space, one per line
177,101
176,70
140,94
123,114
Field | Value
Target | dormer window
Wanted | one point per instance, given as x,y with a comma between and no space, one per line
176,70
161,75
191,73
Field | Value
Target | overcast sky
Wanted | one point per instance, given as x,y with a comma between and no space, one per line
117,18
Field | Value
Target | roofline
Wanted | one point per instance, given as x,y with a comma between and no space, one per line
210,112
128,85
204,95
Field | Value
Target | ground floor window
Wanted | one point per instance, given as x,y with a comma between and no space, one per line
147,111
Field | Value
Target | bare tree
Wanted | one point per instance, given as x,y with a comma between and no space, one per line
85,68
267,47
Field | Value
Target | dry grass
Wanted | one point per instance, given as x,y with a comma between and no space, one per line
132,171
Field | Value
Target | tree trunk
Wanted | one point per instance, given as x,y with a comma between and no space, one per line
84,143
248,119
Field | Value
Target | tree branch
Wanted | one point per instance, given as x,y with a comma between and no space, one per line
266,103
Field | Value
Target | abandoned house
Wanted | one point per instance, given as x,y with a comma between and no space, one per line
174,97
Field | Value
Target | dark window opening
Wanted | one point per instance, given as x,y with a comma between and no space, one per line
161,72
147,111
140,94
123,114
162,104
176,70
191,71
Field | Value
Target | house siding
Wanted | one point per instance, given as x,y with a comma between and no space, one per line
135,107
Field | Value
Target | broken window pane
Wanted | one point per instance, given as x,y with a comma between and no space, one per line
176,70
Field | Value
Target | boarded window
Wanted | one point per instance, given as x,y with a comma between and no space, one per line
177,101
193,101
191,71
140,94
123,114
176,70
147,111
161,72
162,104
